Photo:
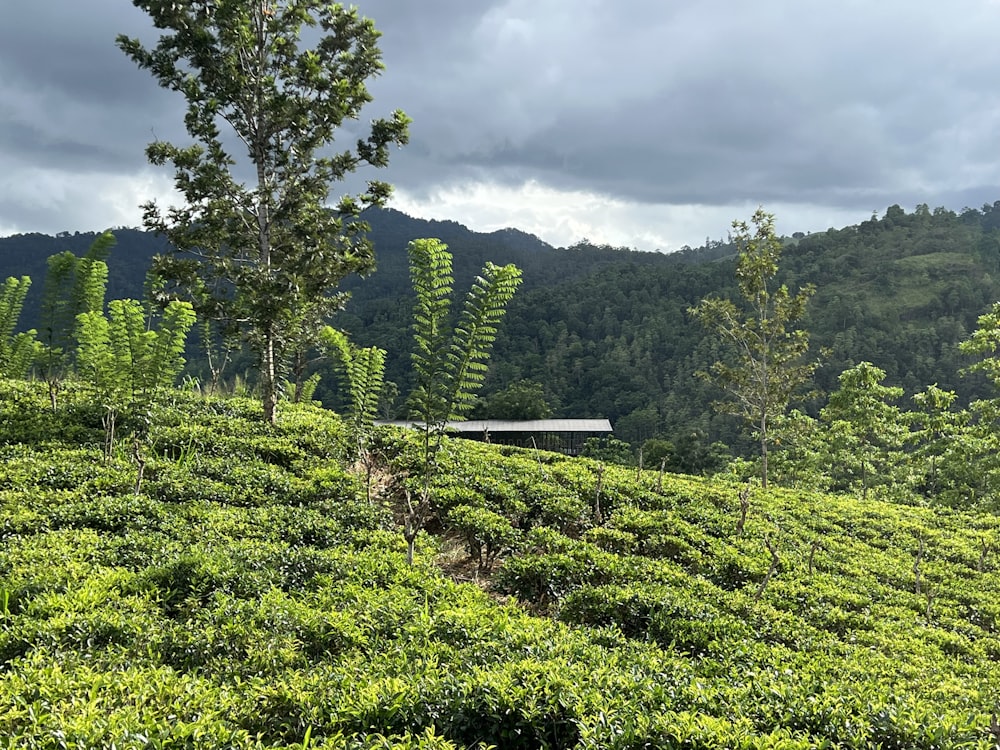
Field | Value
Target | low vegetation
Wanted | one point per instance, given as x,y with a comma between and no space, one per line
251,596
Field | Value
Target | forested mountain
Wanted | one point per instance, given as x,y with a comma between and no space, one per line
26,255
900,291
606,331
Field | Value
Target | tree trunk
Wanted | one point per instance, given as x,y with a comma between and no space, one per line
763,452
269,385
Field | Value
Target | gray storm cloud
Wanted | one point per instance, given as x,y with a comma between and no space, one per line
853,105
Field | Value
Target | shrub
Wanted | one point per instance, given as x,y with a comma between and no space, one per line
668,616
487,535
612,540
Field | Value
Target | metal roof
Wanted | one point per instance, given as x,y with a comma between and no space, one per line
530,425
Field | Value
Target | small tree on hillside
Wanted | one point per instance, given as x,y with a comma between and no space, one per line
943,453
449,363
17,350
982,438
126,360
362,372
265,255
73,286
866,430
985,343
768,367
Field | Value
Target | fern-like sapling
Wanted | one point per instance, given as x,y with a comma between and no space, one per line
449,364
127,362
362,372
17,350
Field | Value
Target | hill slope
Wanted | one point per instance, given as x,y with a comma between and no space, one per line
249,596
607,333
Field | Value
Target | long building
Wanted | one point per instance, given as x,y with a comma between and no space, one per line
560,435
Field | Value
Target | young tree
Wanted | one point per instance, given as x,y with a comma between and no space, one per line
985,343
947,460
72,286
126,360
268,251
768,366
802,458
982,439
17,350
866,431
362,372
449,363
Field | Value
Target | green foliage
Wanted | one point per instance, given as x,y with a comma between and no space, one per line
73,286
803,452
123,358
866,430
475,333
450,365
523,400
608,449
430,274
362,372
942,437
266,257
605,329
666,615
487,535
983,343
768,368
290,618
125,361
17,350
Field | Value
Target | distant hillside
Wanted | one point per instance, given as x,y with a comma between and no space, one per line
391,231
606,331
26,255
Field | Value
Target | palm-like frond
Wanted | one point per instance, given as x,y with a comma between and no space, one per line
476,332
431,276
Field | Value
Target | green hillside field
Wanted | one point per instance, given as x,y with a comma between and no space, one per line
247,594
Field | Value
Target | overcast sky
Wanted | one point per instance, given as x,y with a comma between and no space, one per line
645,123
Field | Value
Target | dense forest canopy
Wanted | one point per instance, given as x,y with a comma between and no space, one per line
605,331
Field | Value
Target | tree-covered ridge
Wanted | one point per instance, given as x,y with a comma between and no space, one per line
250,596
606,331
900,292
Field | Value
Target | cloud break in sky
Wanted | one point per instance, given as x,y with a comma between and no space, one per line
640,123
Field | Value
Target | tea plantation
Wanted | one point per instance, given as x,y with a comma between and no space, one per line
225,584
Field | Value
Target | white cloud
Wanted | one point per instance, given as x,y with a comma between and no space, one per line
49,201
633,122
563,217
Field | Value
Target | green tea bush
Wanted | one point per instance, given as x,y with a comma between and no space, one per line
486,535
261,637
671,617
252,597
546,578
612,540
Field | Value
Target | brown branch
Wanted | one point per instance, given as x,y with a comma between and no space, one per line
744,509
775,565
